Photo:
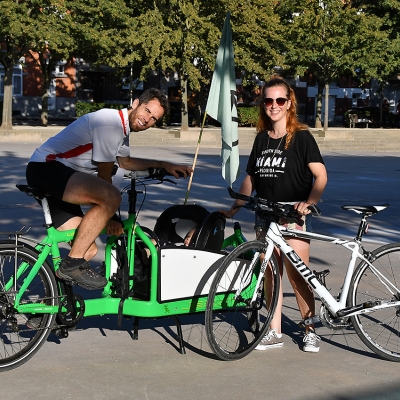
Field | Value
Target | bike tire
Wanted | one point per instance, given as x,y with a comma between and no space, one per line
378,330
234,327
18,342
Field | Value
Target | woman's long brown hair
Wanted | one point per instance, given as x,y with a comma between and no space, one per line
292,123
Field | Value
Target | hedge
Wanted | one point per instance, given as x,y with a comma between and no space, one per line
248,116
83,108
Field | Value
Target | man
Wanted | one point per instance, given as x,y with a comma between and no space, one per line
75,167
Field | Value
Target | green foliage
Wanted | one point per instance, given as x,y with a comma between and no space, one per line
327,40
14,20
258,38
332,40
248,116
322,39
83,108
103,31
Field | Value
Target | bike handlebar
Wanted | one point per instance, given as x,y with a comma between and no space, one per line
151,173
278,209
156,174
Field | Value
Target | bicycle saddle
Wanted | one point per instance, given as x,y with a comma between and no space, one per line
32,191
366,210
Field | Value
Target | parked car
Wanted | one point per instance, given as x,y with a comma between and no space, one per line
370,115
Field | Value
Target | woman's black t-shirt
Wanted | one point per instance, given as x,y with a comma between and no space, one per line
283,175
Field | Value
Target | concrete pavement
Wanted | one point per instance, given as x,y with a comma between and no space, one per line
100,360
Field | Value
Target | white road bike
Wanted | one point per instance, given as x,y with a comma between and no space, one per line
369,299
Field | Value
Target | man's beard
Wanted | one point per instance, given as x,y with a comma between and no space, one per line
132,119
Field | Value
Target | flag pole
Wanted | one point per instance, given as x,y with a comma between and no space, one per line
195,159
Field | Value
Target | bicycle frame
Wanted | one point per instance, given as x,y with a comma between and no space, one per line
155,306
275,237
48,246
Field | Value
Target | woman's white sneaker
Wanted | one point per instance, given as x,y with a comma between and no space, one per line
270,340
311,342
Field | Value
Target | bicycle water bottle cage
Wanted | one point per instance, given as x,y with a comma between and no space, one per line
320,275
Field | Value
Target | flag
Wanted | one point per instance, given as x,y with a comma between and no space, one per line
222,101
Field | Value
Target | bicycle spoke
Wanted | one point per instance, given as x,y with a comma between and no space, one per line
235,324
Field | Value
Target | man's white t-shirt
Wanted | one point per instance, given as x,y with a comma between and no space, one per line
100,136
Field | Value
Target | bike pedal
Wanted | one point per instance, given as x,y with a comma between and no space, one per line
69,282
61,332
309,321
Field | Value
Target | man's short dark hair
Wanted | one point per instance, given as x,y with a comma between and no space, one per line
155,94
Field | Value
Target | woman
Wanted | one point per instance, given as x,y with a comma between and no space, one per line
285,165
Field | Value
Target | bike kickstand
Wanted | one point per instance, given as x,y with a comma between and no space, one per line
135,335
182,349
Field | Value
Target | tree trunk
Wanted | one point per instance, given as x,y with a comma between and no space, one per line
318,113
47,66
6,123
184,107
326,108
197,111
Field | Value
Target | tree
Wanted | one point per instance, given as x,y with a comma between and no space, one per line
14,18
51,40
183,36
389,12
328,39
175,35
37,28
56,30
259,39
103,30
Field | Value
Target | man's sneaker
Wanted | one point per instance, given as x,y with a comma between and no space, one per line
34,323
311,342
81,275
270,340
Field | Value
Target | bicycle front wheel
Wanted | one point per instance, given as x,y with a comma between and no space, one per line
379,330
240,306
21,335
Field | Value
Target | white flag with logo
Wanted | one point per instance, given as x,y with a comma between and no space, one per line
222,104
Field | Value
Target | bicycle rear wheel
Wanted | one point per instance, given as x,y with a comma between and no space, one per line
379,330
235,324
18,342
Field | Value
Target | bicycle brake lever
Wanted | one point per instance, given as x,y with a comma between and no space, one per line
314,210
238,196
299,221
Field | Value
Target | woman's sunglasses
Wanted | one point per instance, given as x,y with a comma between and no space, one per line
268,101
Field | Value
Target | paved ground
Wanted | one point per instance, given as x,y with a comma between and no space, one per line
100,360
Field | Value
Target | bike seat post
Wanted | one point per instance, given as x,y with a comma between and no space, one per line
46,212
362,227
132,197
